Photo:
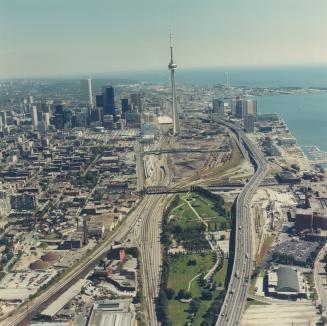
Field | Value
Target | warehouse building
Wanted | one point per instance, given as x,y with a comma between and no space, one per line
113,313
286,282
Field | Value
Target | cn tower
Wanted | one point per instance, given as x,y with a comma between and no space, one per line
172,67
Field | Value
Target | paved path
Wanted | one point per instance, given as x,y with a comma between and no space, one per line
190,282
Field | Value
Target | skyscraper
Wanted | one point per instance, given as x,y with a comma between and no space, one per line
46,117
136,102
239,108
218,106
109,101
251,106
86,91
249,122
34,117
99,101
59,117
124,105
172,67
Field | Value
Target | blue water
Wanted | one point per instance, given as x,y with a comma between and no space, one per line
305,115
304,76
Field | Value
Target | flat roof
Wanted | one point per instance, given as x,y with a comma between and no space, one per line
165,120
113,312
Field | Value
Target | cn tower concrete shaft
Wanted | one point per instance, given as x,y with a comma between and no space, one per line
172,67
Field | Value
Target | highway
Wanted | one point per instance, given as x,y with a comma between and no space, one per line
235,299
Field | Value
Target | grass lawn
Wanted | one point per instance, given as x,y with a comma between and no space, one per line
184,214
205,208
180,273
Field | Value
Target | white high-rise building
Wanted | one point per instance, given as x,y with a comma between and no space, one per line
86,91
251,106
46,117
172,67
34,117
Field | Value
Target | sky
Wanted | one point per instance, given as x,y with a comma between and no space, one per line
62,37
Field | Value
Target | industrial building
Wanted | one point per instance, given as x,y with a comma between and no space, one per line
113,313
286,282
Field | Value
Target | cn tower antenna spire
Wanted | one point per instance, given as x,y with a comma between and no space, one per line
172,67
171,47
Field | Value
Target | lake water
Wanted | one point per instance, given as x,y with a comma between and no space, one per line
305,115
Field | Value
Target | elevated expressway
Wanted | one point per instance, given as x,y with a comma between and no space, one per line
235,299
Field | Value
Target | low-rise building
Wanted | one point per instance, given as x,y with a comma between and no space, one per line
286,282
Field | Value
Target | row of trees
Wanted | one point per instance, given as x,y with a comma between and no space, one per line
165,294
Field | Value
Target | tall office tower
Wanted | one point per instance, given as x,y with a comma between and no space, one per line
46,107
31,100
99,101
172,67
218,106
136,102
124,106
251,106
249,122
58,120
86,91
34,117
3,116
239,108
108,101
96,115
1,125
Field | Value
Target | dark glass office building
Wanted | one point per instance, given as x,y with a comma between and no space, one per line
109,101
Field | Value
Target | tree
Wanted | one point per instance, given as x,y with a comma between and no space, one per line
206,295
170,293
223,225
181,294
188,295
191,262
138,297
195,305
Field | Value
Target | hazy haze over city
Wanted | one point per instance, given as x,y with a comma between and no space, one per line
43,37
